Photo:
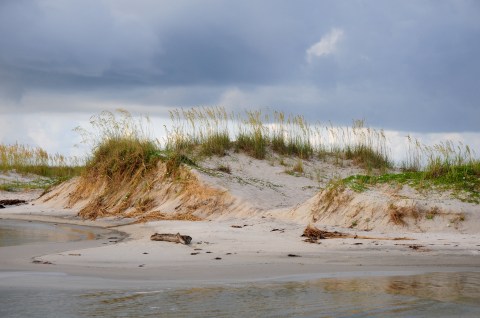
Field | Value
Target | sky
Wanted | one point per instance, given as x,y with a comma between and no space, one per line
406,66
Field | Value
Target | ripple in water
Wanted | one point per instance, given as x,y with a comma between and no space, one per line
433,294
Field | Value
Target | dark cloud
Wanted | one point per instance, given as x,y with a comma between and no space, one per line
404,65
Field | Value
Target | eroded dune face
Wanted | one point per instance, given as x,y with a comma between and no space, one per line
387,208
255,188
155,196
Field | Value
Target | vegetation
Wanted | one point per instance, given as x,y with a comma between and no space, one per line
120,147
123,151
448,167
212,131
35,160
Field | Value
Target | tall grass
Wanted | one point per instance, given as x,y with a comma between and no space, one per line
212,131
35,160
122,159
446,158
121,146
446,165
206,128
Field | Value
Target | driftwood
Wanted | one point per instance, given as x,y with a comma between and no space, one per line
12,202
314,233
175,238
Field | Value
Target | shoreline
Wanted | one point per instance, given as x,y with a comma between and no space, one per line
247,255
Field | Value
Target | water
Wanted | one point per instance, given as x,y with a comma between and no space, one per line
13,232
432,294
443,294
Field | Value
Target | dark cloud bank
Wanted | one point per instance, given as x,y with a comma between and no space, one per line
405,65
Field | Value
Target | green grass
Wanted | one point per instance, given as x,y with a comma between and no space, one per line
463,181
39,183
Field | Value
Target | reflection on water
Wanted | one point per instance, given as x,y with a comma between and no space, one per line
14,232
434,294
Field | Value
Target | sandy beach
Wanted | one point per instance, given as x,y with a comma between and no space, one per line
400,252
228,249
247,225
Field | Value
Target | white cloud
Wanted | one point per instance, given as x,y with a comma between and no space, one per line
326,46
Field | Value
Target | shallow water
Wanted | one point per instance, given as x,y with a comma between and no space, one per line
13,232
432,294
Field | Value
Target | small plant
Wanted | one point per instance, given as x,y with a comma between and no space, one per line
354,223
458,218
396,215
367,220
430,215
283,163
298,167
224,168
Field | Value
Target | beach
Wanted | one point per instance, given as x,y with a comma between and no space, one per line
255,250
249,238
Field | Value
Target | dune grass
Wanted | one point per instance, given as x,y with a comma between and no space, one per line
212,131
34,160
124,151
447,166
121,147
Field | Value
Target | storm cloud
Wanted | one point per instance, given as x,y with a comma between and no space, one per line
401,65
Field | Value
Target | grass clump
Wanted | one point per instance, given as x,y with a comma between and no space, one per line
368,147
202,129
252,135
297,169
35,160
121,149
122,158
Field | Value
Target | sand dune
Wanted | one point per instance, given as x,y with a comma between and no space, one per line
246,212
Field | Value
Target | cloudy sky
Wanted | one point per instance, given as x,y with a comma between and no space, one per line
406,66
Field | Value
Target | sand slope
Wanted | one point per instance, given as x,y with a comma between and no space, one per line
239,186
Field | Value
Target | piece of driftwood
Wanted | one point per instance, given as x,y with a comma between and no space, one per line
12,202
175,238
314,233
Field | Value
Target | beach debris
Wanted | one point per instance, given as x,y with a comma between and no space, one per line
2,206
175,238
217,258
313,234
74,254
239,226
144,253
141,265
37,261
293,255
416,247
12,202
194,253
278,230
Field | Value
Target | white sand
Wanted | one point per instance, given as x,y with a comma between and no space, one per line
272,209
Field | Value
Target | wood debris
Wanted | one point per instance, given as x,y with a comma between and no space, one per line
175,238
